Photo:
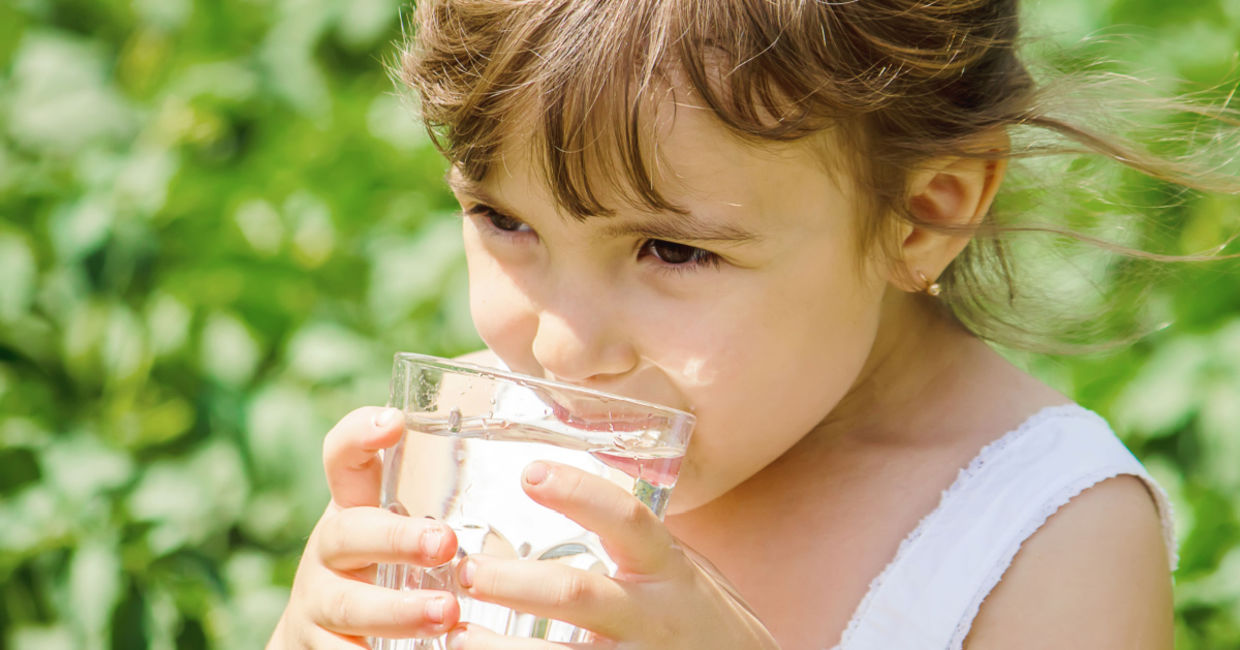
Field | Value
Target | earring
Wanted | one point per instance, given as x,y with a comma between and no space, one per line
929,288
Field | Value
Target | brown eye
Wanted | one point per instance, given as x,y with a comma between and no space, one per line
504,222
673,253
498,220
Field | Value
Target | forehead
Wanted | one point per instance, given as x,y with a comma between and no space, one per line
694,161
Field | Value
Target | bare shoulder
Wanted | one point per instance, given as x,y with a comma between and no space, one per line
483,357
1094,576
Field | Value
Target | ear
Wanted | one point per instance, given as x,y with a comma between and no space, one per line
950,193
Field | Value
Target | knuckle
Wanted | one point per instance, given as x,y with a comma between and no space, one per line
360,415
331,535
634,514
486,578
573,591
573,487
400,539
304,641
354,420
319,540
338,609
405,613
350,420
327,546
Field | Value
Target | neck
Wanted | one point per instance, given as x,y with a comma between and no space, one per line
911,369
929,387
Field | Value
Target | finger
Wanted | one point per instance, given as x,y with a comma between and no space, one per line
356,538
359,609
328,640
476,637
311,635
350,454
632,535
551,590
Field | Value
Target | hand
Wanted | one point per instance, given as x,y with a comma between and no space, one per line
334,603
659,598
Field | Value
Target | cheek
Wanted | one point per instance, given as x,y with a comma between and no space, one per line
501,312
773,373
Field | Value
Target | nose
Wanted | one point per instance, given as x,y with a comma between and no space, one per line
582,346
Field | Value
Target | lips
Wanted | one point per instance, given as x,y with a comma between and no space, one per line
661,472
595,409
606,421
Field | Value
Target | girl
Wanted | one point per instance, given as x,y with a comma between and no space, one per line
775,214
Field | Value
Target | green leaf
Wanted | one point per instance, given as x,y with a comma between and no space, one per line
61,98
229,351
30,521
407,272
324,351
94,589
19,272
81,466
1166,391
17,468
188,500
43,637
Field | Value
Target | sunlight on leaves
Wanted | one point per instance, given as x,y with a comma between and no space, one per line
190,499
261,226
325,351
18,270
94,587
229,351
60,98
407,272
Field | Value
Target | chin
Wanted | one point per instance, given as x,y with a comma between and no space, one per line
692,493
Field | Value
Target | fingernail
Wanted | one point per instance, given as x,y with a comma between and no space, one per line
536,473
385,418
432,539
467,574
435,609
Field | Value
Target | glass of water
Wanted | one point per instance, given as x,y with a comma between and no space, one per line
470,431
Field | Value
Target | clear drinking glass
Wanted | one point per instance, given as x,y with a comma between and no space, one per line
470,431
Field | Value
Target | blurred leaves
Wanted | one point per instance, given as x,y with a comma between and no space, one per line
218,220
199,204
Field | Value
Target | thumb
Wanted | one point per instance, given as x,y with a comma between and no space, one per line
351,454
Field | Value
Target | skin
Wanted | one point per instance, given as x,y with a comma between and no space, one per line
826,388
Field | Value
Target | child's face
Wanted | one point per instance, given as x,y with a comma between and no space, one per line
761,346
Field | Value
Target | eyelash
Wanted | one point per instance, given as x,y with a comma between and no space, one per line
698,258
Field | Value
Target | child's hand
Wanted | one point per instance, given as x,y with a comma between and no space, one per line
659,598
334,603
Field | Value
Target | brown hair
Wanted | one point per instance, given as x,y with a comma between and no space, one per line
910,80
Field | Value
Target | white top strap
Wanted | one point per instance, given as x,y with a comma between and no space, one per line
929,594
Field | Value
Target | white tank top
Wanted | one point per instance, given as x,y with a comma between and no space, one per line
929,594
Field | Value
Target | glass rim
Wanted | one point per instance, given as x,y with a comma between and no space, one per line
455,365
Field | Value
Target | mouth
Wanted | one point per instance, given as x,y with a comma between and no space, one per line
617,421
587,408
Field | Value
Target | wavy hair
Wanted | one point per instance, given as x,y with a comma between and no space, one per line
901,82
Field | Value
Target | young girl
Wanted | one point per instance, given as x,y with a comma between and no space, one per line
776,214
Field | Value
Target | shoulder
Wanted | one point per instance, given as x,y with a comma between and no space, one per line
1095,575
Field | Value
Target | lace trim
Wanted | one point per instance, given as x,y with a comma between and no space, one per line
1049,508
987,453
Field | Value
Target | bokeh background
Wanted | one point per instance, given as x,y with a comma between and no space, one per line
218,221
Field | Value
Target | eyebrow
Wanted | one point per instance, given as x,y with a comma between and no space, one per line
474,190
678,227
683,227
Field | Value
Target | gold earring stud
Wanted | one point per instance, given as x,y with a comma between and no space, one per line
928,287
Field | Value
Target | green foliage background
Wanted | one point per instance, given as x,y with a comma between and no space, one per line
217,223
